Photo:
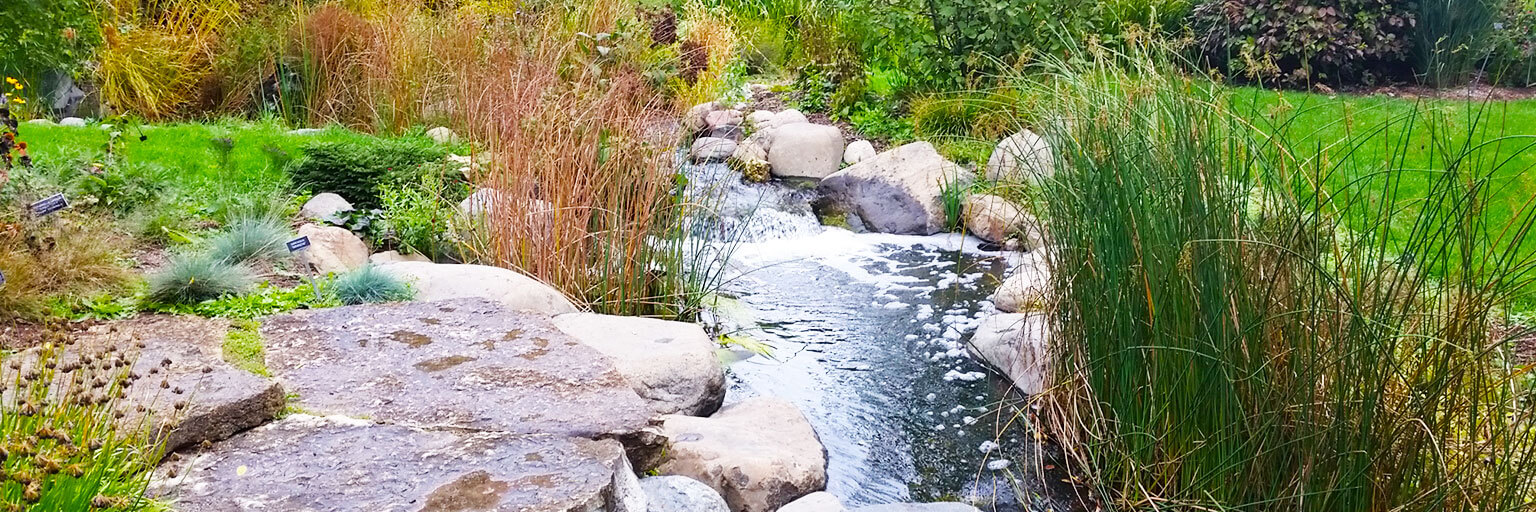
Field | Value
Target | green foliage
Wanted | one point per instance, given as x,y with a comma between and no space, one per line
418,215
368,285
37,36
876,120
189,279
1292,366
1451,39
1513,45
355,169
244,349
247,239
66,449
265,300
1299,42
952,198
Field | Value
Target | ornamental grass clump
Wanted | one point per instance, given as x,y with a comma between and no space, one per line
1242,324
248,239
368,285
69,439
193,278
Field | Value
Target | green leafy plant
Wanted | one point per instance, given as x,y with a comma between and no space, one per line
368,285
1513,45
418,215
189,279
38,36
265,300
1299,42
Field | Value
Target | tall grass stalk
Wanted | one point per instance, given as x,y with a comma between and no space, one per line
1222,340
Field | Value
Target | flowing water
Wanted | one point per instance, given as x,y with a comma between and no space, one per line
867,334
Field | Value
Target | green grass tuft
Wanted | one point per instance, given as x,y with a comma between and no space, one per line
190,279
369,285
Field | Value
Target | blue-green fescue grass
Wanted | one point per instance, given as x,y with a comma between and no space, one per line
248,239
368,285
1236,325
194,278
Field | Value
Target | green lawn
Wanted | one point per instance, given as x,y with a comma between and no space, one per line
1383,132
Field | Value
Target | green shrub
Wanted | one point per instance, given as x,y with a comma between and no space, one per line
256,238
189,279
369,285
1299,42
1451,39
1513,45
37,36
355,169
417,215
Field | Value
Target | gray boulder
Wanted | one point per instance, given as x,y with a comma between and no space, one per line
816,502
711,149
994,219
1016,345
670,364
899,191
717,119
858,151
1025,289
482,202
804,150
333,249
681,494
310,463
327,207
784,118
693,120
72,121
443,135
759,119
387,257
467,363
760,454
1023,156
435,281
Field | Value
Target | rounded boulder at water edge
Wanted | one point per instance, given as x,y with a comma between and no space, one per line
899,191
670,364
681,494
1025,288
751,160
333,249
759,119
693,120
1023,156
822,501
805,150
784,118
326,207
722,118
760,453
858,151
711,149
994,219
440,281
1014,344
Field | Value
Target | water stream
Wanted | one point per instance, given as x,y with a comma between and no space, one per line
868,335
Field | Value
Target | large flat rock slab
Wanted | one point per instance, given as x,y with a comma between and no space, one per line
670,364
468,363
178,384
313,464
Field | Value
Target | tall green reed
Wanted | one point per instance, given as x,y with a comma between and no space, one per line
1225,339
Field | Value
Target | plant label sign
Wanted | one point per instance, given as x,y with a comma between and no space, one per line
2,280
298,244
49,205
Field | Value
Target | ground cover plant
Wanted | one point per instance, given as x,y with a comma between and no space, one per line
1224,341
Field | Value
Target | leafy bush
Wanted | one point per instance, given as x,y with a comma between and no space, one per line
368,285
266,300
189,279
356,169
59,424
1298,42
37,36
1513,45
247,239
418,215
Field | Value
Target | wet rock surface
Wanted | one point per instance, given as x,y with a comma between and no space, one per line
467,363
1014,344
441,281
309,463
681,494
919,507
899,191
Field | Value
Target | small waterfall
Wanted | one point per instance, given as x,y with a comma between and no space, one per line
747,212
